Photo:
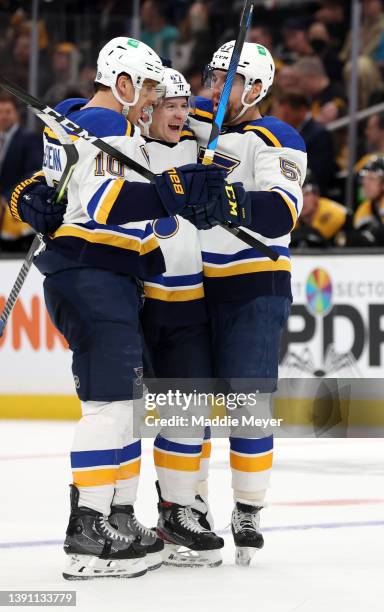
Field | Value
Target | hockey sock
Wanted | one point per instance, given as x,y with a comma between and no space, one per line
251,465
177,464
95,456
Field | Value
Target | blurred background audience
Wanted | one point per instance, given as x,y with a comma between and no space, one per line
309,40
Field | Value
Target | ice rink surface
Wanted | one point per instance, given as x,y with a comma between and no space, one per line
323,528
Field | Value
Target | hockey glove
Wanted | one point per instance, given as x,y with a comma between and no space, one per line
190,185
32,203
232,205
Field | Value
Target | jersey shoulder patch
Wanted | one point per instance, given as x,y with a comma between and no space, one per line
201,109
276,133
102,122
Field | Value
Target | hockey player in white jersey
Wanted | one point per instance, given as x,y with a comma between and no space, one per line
176,332
248,295
90,265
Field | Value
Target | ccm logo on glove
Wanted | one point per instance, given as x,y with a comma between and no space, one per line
176,182
229,190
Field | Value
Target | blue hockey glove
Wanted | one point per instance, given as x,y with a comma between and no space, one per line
232,204
190,185
32,202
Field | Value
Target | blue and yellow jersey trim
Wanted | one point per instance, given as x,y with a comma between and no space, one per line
111,235
246,261
181,288
290,200
272,131
202,110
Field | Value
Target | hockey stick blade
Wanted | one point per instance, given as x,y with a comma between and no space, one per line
38,243
44,110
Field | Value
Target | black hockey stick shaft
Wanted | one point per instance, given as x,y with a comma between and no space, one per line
100,144
37,243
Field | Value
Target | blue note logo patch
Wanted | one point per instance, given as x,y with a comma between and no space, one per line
221,161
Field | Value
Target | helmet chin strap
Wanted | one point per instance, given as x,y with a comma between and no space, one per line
126,105
245,104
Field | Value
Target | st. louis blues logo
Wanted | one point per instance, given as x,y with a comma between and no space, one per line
222,161
166,227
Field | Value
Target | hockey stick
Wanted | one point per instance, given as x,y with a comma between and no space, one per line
38,243
100,144
219,118
222,106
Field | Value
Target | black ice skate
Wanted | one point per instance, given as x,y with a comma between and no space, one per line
96,549
187,542
123,519
246,532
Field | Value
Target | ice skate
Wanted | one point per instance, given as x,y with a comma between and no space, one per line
187,542
96,549
123,519
246,532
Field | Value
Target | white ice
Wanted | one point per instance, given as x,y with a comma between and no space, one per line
335,486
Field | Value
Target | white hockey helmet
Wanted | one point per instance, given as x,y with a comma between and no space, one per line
256,64
123,54
175,84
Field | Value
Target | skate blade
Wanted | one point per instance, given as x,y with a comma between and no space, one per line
180,556
87,567
153,561
244,555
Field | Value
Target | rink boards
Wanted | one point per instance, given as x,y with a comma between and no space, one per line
336,330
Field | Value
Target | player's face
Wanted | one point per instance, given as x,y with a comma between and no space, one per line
373,185
168,119
234,105
148,97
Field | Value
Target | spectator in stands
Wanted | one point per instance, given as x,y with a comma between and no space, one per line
65,70
195,43
156,32
320,41
333,14
320,220
370,83
371,33
374,140
328,98
296,41
367,227
294,108
21,154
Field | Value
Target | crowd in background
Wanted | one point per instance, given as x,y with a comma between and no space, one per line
311,45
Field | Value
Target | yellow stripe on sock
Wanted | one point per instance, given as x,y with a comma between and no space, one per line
251,464
130,470
176,462
94,478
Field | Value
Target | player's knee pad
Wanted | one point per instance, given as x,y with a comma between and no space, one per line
104,418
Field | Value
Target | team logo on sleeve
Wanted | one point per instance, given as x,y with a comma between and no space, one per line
221,161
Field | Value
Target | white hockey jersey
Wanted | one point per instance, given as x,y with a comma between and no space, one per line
178,292
266,155
95,191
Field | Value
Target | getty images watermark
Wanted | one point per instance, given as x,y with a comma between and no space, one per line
188,402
